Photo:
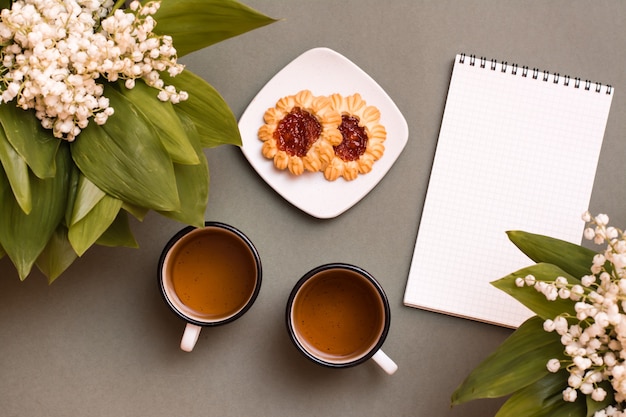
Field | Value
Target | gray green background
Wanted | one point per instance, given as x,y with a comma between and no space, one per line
100,341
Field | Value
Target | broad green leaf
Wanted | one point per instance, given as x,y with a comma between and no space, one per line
571,258
57,256
125,158
72,190
205,106
534,299
519,361
16,170
164,120
196,24
193,184
86,231
138,212
544,398
24,236
87,196
5,4
29,139
119,233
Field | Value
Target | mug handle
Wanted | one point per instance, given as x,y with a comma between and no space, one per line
385,362
190,337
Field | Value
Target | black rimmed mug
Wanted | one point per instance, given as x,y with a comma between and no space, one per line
338,316
209,276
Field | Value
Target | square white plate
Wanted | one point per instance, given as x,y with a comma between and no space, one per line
323,72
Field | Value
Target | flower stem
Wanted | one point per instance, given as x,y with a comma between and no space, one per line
116,6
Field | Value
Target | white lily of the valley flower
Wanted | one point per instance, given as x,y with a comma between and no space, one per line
55,51
594,340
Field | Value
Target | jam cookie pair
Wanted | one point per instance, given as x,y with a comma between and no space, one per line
340,136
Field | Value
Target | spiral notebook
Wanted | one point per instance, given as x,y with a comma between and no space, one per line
518,149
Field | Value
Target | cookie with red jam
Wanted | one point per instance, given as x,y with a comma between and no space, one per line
362,141
300,131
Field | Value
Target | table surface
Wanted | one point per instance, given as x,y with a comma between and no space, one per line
100,342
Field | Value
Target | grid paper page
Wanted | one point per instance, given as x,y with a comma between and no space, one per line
514,153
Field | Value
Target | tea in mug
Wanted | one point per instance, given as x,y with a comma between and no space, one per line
213,273
338,315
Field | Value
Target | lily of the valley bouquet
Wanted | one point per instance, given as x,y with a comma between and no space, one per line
569,359
99,120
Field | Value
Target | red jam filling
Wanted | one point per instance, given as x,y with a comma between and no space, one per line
296,132
354,139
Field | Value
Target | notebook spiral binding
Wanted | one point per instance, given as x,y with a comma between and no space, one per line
535,73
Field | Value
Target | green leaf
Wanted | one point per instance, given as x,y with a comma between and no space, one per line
519,361
5,4
125,158
138,212
72,190
206,107
593,406
196,24
87,196
24,236
534,299
16,170
544,398
29,139
192,182
118,233
164,120
86,231
57,256
573,259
